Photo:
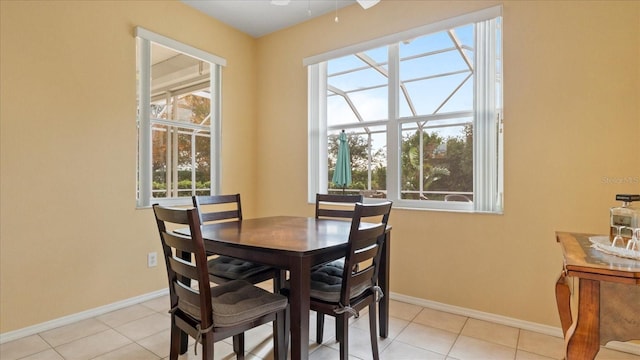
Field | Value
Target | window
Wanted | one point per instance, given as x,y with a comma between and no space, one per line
423,113
178,120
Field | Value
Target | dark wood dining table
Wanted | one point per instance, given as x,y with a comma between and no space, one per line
295,244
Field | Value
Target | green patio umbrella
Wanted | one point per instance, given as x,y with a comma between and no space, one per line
342,173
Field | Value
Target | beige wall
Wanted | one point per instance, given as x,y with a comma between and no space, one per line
572,87
71,236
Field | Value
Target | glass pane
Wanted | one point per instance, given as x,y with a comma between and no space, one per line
436,73
159,161
437,162
367,148
159,109
431,65
194,107
203,163
358,79
432,95
179,86
372,104
339,111
180,93
357,87
185,167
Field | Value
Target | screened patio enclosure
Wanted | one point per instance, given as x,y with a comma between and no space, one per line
180,120
425,89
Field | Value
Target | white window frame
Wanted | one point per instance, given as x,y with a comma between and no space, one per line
488,132
144,161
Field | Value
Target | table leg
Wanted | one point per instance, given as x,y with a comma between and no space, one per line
563,300
383,282
300,285
583,337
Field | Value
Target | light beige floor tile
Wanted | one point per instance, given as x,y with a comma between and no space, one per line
397,350
403,311
45,355
496,333
325,353
266,285
541,344
525,355
607,354
160,304
360,344
144,327
329,331
221,351
93,345
259,341
441,320
75,331
131,351
428,338
23,347
159,344
467,348
123,316
395,325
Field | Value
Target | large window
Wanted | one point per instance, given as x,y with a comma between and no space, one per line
422,112
178,120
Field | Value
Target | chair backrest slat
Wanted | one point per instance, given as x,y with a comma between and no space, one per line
222,215
370,252
363,276
220,204
184,269
324,209
179,242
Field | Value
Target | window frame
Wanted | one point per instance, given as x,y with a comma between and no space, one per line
488,174
144,183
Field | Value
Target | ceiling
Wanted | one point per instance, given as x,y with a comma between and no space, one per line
261,17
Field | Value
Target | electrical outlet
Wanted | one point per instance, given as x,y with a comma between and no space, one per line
152,259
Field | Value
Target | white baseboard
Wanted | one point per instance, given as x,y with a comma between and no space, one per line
66,320
633,348
480,315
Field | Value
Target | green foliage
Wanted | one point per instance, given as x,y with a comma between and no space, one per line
447,162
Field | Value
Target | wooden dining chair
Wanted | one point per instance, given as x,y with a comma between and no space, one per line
334,206
222,269
207,313
343,292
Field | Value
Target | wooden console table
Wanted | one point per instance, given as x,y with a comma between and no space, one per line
608,297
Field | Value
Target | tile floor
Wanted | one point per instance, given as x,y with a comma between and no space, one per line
142,332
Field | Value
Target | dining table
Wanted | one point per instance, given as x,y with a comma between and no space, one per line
295,244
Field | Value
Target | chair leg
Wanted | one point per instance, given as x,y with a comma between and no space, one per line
207,347
344,336
279,280
287,328
280,335
238,345
319,327
373,330
176,335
